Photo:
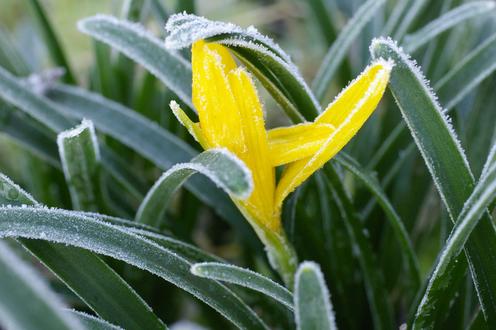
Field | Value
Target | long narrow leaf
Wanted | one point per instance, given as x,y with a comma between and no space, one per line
245,278
446,162
475,207
340,47
91,322
26,301
450,19
74,229
86,274
80,156
313,309
293,93
133,41
219,165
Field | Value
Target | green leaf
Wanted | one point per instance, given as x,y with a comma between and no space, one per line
245,278
468,73
475,207
372,276
454,86
139,45
26,301
80,157
219,165
450,19
394,219
92,323
323,20
78,230
313,308
98,285
51,41
445,161
336,54
275,67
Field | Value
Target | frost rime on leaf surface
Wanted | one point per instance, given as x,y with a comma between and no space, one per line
184,29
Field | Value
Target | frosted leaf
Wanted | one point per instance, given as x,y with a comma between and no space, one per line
184,29
411,64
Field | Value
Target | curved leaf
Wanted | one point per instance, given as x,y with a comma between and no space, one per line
91,322
219,165
74,229
275,67
98,285
26,301
245,278
135,42
313,308
446,162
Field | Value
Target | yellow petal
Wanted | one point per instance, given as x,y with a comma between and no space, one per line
288,144
213,98
256,152
193,128
347,114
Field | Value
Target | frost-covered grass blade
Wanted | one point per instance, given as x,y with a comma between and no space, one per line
313,308
219,165
245,278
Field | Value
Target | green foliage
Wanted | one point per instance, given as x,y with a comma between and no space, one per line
395,230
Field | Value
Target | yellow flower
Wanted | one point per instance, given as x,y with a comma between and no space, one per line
231,116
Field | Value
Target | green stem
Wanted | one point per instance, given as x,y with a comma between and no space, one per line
281,254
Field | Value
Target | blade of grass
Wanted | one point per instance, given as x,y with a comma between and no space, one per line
374,282
133,41
26,301
52,42
313,308
474,209
219,165
74,229
408,18
445,161
91,322
450,19
99,286
245,278
80,157
336,54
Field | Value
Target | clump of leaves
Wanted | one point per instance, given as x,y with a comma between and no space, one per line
396,229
